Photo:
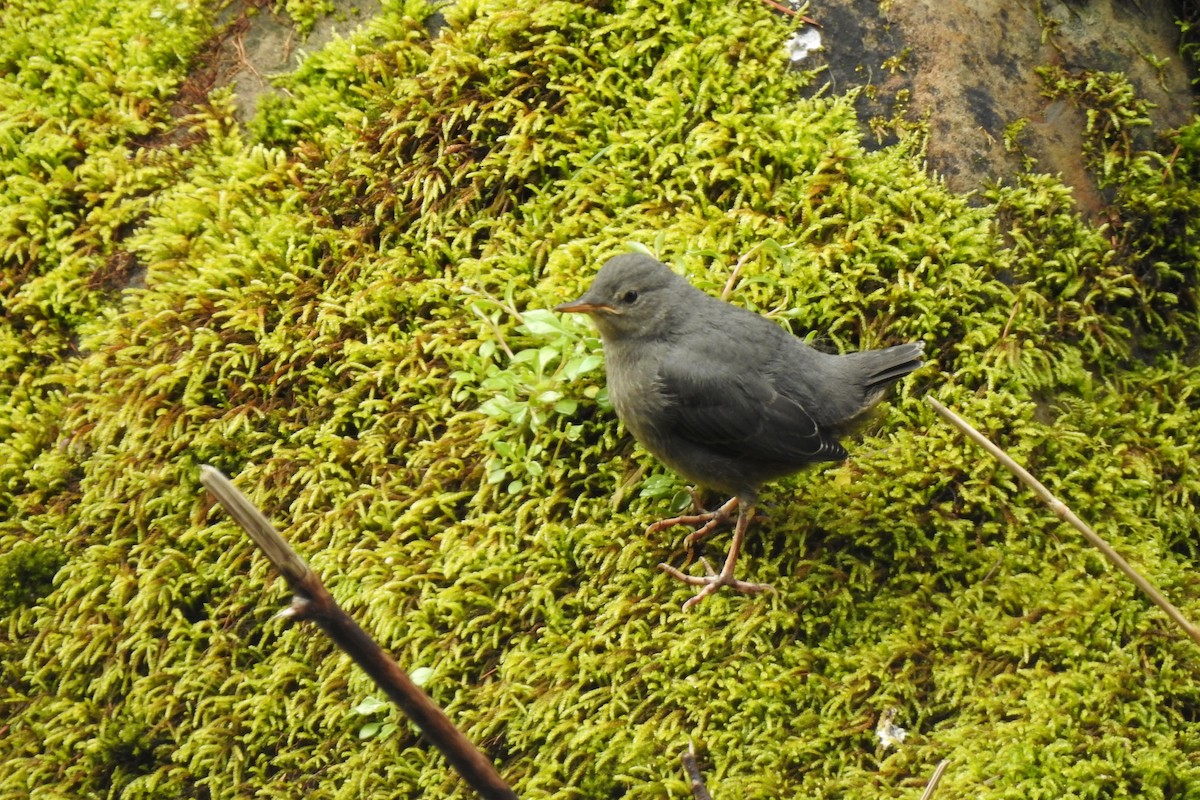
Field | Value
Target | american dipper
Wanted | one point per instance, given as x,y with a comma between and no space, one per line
723,396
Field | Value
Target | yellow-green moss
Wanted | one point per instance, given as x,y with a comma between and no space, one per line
337,314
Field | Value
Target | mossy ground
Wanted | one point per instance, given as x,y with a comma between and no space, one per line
335,309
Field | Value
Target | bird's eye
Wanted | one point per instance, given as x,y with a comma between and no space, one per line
629,296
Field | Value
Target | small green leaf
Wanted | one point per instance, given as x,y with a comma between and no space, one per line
549,397
542,322
369,706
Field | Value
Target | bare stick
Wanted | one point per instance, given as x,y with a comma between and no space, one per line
692,769
791,12
931,787
1062,512
313,602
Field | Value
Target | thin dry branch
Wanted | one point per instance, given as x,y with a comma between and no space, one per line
691,768
791,12
1064,513
312,601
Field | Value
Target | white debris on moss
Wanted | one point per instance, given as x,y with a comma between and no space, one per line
889,733
803,42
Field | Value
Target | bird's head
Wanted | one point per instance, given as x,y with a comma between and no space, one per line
632,296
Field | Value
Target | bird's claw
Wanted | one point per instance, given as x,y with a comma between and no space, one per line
710,583
708,521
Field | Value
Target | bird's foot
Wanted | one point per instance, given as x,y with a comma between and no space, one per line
708,521
710,583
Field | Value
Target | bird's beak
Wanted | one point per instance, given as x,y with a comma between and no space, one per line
582,306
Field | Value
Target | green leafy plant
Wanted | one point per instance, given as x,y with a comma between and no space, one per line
381,712
529,395
375,728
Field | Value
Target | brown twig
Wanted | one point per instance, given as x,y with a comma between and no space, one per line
1012,315
1171,161
691,768
1064,513
791,12
312,601
244,62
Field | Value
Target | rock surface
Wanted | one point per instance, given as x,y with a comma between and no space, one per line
969,68
263,44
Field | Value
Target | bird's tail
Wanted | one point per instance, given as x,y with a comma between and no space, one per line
857,382
882,368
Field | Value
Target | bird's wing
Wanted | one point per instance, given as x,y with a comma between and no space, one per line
738,411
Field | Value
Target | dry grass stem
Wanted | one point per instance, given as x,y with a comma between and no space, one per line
931,787
1064,513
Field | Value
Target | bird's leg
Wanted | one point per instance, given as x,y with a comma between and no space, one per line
711,582
708,521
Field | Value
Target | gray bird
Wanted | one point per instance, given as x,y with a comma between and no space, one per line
723,396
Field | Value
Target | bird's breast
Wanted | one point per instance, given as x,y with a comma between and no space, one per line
636,392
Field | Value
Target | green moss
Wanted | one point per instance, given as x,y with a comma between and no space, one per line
305,13
1152,233
345,309
26,574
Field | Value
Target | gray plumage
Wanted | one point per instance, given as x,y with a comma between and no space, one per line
721,395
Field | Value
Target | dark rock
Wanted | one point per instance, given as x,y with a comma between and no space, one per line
969,68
